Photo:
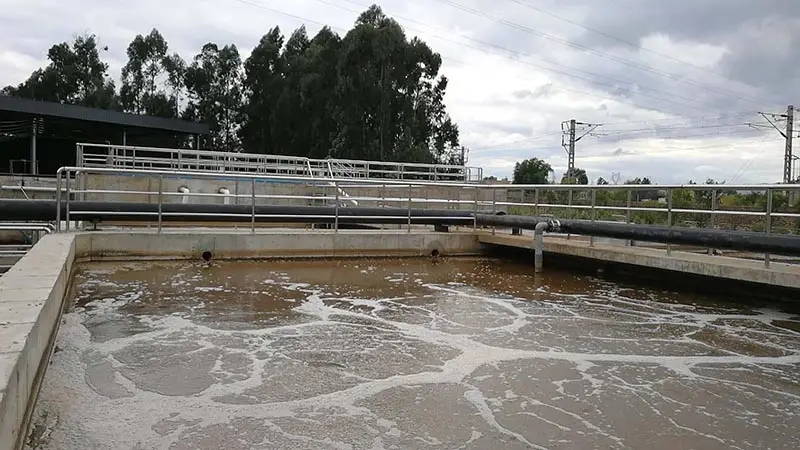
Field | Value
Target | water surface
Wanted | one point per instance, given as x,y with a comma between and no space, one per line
405,354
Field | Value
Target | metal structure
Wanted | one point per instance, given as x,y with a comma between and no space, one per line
788,135
32,231
569,137
472,201
128,157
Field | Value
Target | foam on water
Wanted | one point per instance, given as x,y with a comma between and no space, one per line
424,361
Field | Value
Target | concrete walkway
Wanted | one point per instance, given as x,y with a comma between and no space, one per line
778,274
31,298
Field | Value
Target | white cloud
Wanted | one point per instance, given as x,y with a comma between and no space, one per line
508,106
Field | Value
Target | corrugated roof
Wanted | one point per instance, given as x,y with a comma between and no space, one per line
50,109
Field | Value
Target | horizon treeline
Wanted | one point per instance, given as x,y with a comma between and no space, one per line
372,94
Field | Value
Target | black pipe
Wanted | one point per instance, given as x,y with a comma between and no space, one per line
45,210
722,239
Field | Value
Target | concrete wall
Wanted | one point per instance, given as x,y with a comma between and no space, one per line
272,243
40,188
31,298
170,186
149,183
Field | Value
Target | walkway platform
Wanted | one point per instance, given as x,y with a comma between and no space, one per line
777,274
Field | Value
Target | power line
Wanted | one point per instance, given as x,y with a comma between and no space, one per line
637,46
614,82
581,47
788,135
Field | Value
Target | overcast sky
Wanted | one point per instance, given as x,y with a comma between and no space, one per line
673,82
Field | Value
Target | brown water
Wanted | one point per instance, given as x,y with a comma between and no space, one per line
405,354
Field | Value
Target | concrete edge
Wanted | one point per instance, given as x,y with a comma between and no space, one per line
32,297
777,275
33,291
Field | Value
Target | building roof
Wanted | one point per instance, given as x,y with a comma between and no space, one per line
38,108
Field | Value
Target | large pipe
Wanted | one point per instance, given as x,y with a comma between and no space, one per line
734,240
127,211
46,210
227,199
184,198
538,245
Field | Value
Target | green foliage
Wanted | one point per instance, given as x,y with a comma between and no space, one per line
532,171
575,176
372,94
75,75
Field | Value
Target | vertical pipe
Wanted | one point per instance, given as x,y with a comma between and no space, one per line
252,205
769,223
160,199
408,229
669,217
125,137
538,246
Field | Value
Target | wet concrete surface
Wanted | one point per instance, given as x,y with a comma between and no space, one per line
406,354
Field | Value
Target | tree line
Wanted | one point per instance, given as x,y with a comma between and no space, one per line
372,94
537,171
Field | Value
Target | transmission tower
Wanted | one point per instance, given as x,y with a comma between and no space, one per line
788,134
569,136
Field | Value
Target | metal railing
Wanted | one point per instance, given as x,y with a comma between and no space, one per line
663,204
13,252
114,156
70,195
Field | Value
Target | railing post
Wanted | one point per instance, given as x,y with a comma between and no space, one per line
669,217
475,213
408,229
712,220
594,213
252,205
160,199
494,207
336,207
569,203
58,200
769,223
628,214
535,201
66,205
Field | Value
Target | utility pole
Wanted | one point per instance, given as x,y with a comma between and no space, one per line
787,156
569,136
788,135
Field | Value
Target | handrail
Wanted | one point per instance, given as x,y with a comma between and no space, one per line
401,193
116,153
346,182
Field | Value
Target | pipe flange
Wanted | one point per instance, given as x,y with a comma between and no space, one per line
553,225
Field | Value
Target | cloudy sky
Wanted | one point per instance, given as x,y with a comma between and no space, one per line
673,83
